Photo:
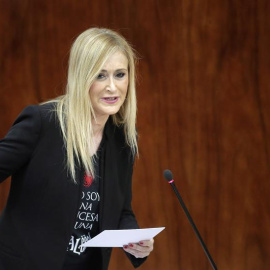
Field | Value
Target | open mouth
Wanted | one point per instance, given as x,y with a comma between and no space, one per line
110,100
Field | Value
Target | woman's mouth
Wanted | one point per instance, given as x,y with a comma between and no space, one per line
110,100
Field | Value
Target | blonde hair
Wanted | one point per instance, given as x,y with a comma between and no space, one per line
88,55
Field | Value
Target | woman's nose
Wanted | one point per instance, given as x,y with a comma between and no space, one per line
111,85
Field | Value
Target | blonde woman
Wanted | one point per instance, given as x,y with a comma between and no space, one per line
71,162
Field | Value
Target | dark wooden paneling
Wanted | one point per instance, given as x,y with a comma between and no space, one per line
204,112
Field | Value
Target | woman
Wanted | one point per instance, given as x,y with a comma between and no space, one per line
71,161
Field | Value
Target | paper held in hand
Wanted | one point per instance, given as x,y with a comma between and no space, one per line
119,238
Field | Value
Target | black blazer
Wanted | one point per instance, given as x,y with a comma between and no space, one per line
36,224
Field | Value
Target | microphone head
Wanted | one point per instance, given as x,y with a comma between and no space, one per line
168,175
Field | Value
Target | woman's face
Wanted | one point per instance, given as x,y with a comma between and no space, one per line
108,92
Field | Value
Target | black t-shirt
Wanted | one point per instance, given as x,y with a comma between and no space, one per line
87,221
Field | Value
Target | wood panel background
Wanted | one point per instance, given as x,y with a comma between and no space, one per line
204,112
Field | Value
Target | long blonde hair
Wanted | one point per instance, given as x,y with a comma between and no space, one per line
88,55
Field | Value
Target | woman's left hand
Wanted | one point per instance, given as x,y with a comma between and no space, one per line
141,249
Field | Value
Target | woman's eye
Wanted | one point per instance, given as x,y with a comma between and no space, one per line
120,75
101,76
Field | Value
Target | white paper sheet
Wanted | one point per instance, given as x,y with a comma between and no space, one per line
119,238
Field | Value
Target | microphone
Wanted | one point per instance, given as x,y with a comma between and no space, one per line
169,177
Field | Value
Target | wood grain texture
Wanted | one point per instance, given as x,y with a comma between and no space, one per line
204,112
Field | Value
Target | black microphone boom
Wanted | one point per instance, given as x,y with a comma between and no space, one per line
169,177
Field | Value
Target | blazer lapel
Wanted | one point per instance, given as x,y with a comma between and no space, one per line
111,196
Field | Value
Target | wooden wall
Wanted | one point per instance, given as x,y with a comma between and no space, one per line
204,112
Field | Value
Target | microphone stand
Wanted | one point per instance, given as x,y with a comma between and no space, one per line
193,225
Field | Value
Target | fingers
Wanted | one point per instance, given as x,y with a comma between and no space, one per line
147,243
141,249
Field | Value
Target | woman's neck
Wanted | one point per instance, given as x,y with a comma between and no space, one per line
98,125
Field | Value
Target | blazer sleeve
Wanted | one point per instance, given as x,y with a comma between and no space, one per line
18,145
128,220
